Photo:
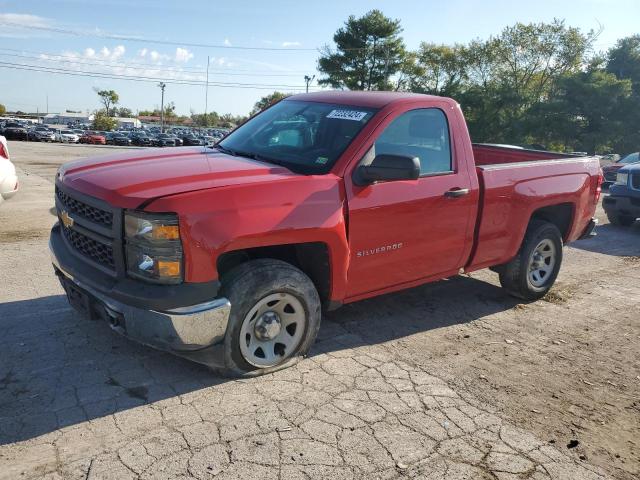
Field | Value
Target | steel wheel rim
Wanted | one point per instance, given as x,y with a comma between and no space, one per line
257,346
542,263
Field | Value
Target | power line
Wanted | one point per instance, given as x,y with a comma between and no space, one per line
140,78
78,33
131,65
126,38
144,64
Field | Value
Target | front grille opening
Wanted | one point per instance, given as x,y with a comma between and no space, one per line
635,181
96,251
93,214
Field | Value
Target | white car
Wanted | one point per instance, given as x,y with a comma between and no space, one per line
8,177
66,136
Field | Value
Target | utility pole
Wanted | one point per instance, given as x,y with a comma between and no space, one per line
206,96
308,80
162,85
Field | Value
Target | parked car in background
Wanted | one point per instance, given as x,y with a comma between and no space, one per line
93,138
192,141
8,177
66,136
610,158
610,171
140,139
15,131
120,139
164,140
622,205
209,141
40,134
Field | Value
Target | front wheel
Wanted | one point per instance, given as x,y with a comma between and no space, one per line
275,316
533,271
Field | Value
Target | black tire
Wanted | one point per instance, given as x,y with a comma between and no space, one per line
245,286
621,220
514,276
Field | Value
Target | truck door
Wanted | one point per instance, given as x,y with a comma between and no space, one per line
404,231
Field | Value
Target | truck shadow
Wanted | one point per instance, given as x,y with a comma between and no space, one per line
613,240
59,369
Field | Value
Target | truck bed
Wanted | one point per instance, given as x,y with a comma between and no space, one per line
515,183
488,154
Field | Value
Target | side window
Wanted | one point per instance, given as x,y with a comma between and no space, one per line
422,133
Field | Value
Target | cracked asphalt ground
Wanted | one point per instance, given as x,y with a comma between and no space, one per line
453,380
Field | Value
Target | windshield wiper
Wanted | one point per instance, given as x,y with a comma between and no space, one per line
252,156
225,150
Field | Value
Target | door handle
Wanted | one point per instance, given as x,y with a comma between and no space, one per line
456,192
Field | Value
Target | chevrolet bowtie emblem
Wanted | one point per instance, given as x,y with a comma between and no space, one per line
66,219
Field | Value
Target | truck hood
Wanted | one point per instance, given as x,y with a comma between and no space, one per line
130,179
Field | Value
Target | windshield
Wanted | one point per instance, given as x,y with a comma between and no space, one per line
631,158
306,137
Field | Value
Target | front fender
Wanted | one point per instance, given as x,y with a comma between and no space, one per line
298,209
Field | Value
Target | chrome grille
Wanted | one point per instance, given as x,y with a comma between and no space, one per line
93,214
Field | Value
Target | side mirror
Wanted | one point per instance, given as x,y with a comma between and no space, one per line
386,167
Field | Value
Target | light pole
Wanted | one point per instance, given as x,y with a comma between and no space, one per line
308,80
162,85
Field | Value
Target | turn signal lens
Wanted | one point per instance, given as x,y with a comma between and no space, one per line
168,269
165,232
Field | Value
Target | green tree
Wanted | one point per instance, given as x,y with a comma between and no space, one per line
267,101
3,109
584,112
624,60
123,112
108,98
440,69
169,111
368,53
102,121
502,82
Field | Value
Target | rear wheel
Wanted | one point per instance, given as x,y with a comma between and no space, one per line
275,316
622,220
533,271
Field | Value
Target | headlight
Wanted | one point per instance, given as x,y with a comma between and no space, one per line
622,178
153,247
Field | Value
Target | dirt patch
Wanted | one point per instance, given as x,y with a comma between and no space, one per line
560,294
12,236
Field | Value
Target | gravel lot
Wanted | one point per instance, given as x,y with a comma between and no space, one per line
450,380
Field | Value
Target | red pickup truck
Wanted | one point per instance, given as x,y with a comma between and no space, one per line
227,255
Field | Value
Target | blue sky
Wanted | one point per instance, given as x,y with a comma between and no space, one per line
294,29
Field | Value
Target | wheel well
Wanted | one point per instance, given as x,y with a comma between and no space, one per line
311,258
560,215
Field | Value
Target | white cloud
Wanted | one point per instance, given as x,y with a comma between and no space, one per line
24,20
291,44
16,25
183,55
227,42
114,61
117,52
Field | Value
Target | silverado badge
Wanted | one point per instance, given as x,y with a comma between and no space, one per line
66,219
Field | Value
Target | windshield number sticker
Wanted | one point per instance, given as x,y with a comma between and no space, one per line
347,115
